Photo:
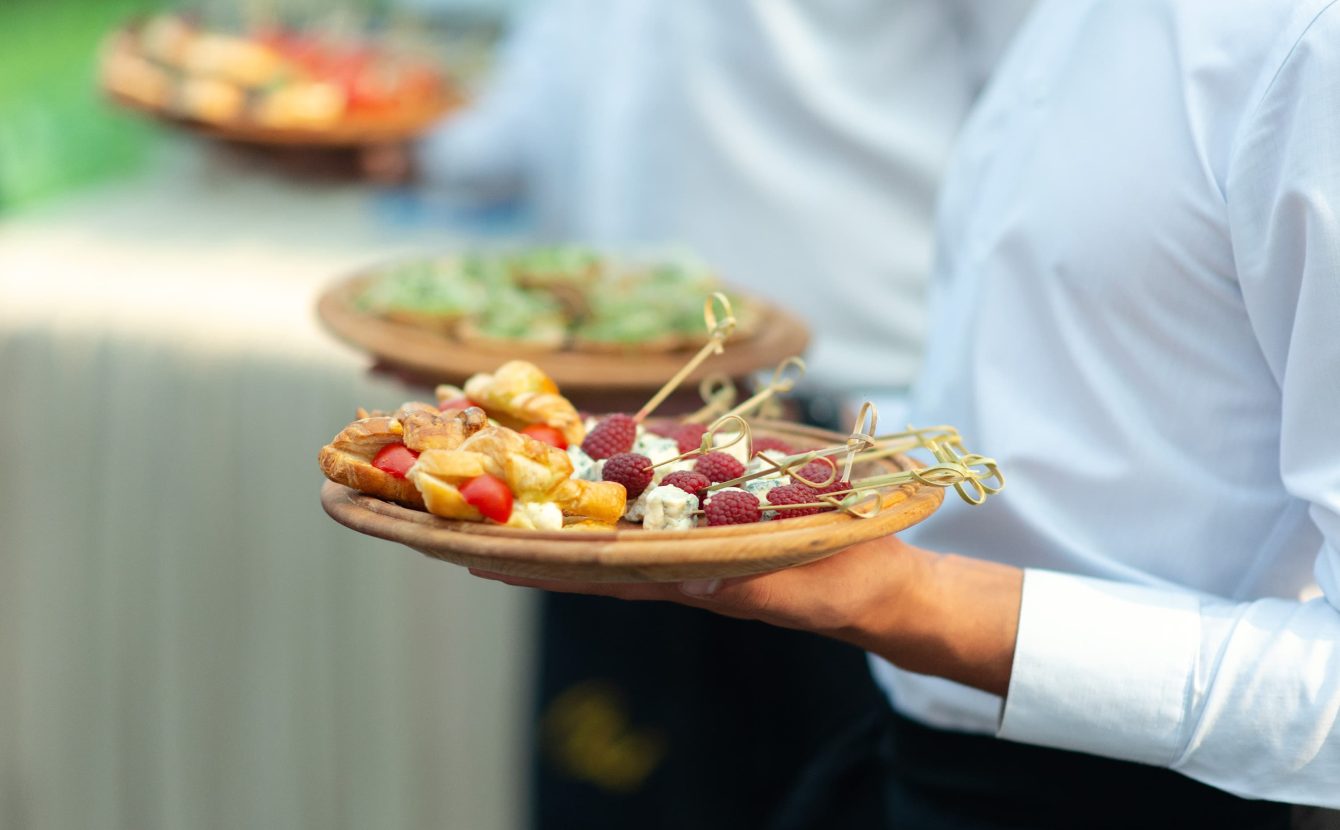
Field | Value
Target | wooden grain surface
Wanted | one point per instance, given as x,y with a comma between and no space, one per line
352,131
630,554
446,360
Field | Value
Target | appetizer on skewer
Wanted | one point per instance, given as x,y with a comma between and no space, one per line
508,448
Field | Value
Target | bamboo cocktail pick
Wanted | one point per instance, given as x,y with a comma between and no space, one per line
957,466
781,382
709,444
968,473
862,436
858,444
718,394
717,333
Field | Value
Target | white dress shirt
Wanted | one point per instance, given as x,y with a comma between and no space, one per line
795,146
1137,312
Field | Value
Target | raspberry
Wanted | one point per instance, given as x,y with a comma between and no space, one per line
611,436
689,481
793,494
775,444
732,507
718,466
815,472
689,436
836,487
663,428
630,470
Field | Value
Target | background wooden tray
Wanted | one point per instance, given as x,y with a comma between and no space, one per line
425,353
630,554
352,131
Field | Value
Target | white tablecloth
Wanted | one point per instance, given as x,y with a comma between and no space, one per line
186,641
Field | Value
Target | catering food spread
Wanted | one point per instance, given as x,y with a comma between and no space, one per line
509,449
546,299
276,78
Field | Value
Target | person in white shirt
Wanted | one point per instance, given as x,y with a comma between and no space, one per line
795,147
1135,310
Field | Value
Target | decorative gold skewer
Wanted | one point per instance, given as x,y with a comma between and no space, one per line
952,471
875,498
953,457
771,410
793,470
718,393
946,445
956,467
708,444
780,382
868,490
938,475
912,438
861,438
790,468
717,333
789,463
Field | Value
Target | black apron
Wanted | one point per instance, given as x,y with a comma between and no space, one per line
655,716
891,772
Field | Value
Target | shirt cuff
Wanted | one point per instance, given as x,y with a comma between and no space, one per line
1102,667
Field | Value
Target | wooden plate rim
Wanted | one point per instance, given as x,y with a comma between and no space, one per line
632,554
352,131
780,335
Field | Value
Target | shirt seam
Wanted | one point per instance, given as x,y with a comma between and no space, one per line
1270,87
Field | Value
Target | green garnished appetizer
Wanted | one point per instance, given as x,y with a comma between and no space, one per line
432,293
515,320
547,298
627,324
558,264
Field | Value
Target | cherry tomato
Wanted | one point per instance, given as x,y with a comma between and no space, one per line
394,459
305,51
547,434
490,496
456,403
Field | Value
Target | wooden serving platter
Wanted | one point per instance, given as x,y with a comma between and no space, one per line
446,360
630,554
351,131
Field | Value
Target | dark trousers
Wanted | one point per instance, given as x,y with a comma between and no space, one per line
891,772
653,716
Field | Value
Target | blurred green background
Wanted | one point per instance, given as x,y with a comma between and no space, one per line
55,131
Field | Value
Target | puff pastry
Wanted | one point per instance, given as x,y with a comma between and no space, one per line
347,459
519,394
534,471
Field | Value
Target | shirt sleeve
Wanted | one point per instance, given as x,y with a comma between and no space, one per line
1242,696
986,30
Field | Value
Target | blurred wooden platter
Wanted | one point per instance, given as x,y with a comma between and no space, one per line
404,124
444,359
630,554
